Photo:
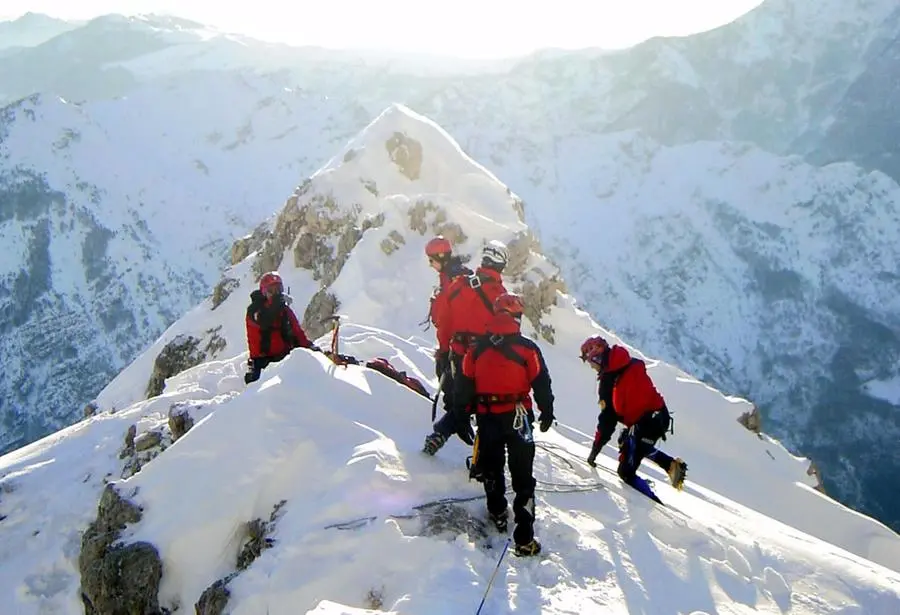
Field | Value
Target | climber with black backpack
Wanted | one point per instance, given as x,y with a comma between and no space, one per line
499,374
272,327
461,314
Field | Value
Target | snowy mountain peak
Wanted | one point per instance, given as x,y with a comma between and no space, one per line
307,491
32,29
403,152
401,180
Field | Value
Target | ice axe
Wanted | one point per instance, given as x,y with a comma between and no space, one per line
335,320
437,396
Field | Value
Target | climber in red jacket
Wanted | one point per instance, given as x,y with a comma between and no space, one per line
627,395
499,373
272,327
449,267
461,313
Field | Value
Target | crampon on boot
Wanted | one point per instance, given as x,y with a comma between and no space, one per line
677,473
531,548
433,443
500,521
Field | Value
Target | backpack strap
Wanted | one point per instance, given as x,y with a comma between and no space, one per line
502,343
287,333
264,319
476,282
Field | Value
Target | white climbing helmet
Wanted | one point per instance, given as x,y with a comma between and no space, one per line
496,254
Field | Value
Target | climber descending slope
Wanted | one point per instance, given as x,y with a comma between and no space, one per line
627,395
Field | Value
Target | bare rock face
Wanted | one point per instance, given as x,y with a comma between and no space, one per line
140,450
321,306
223,290
752,420
320,234
406,153
214,598
245,246
180,354
813,470
392,242
117,578
538,299
257,538
90,409
426,217
180,421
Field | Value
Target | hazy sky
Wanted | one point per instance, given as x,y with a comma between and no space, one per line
466,28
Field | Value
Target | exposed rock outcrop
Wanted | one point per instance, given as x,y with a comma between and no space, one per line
752,420
256,539
223,289
406,153
117,578
180,354
813,470
180,421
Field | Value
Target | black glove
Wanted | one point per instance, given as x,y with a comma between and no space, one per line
546,420
441,362
465,432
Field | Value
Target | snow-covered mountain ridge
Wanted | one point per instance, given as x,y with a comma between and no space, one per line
770,77
212,491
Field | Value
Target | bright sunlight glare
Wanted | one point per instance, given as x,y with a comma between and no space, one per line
461,28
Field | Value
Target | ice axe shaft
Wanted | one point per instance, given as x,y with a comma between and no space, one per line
437,396
335,320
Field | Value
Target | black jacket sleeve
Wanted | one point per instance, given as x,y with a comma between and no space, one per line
463,393
606,425
542,386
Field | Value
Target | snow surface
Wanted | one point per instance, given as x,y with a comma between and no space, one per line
888,390
342,446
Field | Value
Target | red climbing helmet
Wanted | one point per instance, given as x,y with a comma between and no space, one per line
271,284
593,348
438,247
509,303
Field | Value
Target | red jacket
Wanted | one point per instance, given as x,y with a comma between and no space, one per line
272,331
633,393
465,308
450,272
502,369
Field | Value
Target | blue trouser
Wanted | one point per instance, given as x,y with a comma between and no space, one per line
635,444
446,425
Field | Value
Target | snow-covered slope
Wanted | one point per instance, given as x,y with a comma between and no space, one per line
328,458
117,218
781,76
771,278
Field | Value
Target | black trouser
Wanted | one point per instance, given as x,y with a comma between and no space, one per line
259,364
639,442
446,425
496,438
